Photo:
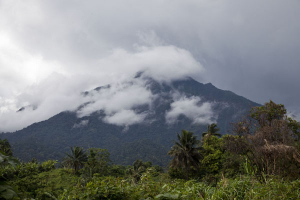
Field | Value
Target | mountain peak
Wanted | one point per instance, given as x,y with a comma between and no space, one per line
129,115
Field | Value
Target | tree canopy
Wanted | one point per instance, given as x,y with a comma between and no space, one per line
212,130
268,138
76,159
185,152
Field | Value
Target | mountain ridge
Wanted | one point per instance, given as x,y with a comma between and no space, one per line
149,140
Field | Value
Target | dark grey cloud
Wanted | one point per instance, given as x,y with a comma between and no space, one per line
249,47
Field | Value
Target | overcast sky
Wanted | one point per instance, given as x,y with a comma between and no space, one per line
51,50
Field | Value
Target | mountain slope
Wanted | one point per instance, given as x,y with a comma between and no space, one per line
149,140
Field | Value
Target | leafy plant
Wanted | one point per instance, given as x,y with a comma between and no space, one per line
6,191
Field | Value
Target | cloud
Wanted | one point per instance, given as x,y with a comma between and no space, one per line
242,45
58,92
125,118
19,69
162,63
117,97
41,101
81,124
192,108
295,114
50,88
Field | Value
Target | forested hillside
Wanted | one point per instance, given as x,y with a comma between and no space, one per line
149,140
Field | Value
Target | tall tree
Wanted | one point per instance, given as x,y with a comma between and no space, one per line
98,161
76,158
212,130
268,138
185,152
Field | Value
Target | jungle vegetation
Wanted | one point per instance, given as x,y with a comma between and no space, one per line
258,159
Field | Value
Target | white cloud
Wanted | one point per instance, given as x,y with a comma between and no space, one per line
50,89
125,118
118,102
192,108
163,63
295,114
42,100
81,124
117,97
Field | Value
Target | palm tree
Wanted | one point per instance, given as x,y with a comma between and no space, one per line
185,152
76,159
212,130
137,169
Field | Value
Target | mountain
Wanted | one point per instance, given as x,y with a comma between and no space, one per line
149,140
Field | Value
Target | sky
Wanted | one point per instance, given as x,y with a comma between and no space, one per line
52,50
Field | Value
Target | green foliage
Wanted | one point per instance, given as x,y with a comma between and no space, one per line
176,173
248,168
5,147
212,153
98,161
216,162
6,191
6,162
137,169
265,114
240,189
117,170
212,130
224,168
76,159
43,181
24,177
295,127
268,139
185,152
44,184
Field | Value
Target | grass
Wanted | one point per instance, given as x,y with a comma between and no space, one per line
62,184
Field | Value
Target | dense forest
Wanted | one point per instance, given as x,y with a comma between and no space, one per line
258,159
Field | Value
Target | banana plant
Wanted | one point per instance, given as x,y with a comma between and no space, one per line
6,191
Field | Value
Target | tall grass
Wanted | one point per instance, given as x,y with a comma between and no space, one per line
231,189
